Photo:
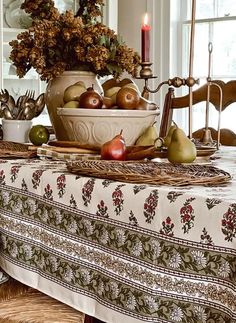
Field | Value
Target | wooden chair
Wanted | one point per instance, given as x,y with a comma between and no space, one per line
171,102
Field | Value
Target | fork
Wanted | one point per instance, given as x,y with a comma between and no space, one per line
29,94
4,96
22,101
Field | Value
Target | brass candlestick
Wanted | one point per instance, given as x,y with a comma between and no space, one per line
207,138
146,74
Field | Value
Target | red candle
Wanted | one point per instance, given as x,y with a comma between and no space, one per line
145,40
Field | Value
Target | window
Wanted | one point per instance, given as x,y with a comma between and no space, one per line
215,23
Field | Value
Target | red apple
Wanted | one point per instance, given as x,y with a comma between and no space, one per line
114,149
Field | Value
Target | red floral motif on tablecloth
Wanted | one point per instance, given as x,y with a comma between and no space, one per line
167,227
61,184
118,199
229,223
87,191
36,176
2,177
102,210
48,192
150,206
14,173
187,215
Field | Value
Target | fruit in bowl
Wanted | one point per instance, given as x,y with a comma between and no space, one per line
90,99
124,95
74,91
71,104
127,98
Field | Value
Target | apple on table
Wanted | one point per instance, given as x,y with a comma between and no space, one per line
39,135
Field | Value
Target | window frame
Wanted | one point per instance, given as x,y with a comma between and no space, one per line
182,52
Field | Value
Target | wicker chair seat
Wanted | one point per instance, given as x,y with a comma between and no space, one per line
23,304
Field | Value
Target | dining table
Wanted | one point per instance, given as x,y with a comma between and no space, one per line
121,251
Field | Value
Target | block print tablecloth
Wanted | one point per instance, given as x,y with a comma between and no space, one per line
121,251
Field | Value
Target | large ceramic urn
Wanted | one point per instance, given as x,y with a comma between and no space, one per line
55,92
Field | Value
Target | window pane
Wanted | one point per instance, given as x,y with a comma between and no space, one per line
222,35
226,8
204,9
213,8
200,59
224,48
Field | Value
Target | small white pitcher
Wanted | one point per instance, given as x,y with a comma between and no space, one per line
16,130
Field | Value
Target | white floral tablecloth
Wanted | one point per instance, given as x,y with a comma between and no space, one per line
120,251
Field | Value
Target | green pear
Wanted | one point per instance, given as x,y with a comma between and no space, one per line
73,92
148,137
167,138
71,105
111,91
181,149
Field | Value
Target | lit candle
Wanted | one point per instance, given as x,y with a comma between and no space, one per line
145,39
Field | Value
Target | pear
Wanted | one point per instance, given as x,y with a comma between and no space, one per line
181,149
115,149
133,86
73,92
112,91
167,138
148,137
71,105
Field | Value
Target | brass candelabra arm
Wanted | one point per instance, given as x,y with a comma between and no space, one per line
146,74
175,82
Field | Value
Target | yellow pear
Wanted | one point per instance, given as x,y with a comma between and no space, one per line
71,105
167,138
133,86
81,83
148,137
181,149
111,91
73,92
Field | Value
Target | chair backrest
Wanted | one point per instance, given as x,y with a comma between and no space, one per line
171,102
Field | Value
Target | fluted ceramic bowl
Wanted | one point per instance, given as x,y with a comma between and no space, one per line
97,126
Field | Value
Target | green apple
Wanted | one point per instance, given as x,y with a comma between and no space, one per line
71,104
73,92
39,135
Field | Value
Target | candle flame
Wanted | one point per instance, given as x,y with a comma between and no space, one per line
145,21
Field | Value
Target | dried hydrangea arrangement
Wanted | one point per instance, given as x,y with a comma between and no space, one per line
66,41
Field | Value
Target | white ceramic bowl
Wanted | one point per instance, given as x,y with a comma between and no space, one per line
97,126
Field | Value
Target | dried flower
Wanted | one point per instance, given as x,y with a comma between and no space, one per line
66,41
